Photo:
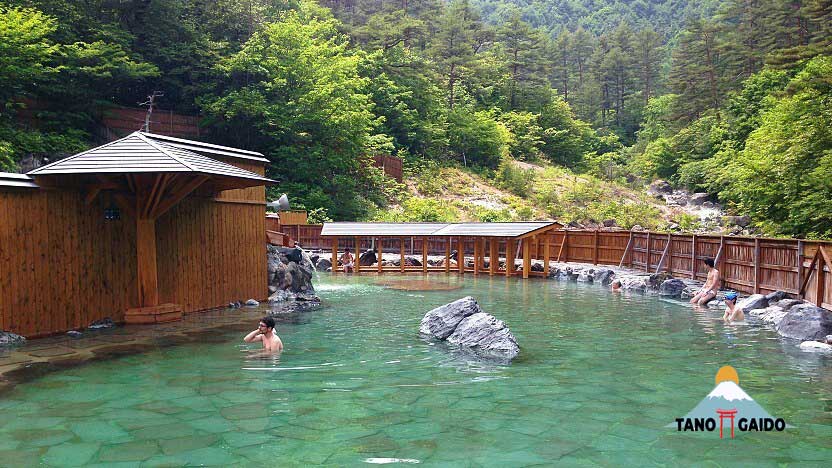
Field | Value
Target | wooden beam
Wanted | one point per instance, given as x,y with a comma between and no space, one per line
477,255
493,257
626,249
125,203
527,260
799,264
670,254
460,255
177,194
647,260
664,255
563,244
802,289
424,255
334,255
509,257
447,254
401,253
820,279
357,254
547,253
148,287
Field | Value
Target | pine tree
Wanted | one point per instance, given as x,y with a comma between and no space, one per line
523,47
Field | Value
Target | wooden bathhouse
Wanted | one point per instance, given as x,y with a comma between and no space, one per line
140,230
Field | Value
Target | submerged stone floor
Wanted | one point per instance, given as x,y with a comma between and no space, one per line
38,357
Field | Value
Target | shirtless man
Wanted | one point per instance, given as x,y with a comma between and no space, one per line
265,334
732,312
348,261
711,287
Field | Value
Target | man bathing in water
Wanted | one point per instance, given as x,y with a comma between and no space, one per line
711,287
265,334
732,312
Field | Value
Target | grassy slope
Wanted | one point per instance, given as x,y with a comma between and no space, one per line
520,192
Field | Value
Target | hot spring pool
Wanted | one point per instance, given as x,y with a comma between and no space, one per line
599,377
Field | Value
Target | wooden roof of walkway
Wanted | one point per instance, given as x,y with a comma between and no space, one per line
508,230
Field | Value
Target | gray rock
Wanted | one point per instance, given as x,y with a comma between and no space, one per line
442,321
252,303
806,322
585,276
637,227
741,221
672,287
537,267
323,264
235,305
293,254
634,283
659,187
74,334
10,339
603,276
106,322
754,301
816,346
485,335
655,280
609,223
787,304
708,204
698,199
775,296
368,258
771,314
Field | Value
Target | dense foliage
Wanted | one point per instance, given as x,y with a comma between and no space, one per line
726,96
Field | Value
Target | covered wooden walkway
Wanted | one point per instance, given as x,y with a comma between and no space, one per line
476,248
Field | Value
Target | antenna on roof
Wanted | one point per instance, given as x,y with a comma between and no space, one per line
151,100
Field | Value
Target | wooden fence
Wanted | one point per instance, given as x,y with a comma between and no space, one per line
391,165
750,265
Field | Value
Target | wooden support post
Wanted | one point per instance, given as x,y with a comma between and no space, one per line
424,255
357,254
799,266
448,254
477,255
693,257
647,260
547,268
820,279
802,290
664,255
509,257
527,259
757,265
595,251
493,257
378,254
626,250
670,254
146,262
718,261
401,253
460,255
334,255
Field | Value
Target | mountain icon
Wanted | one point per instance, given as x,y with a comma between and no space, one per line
727,395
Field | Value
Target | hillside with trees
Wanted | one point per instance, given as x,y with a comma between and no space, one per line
728,97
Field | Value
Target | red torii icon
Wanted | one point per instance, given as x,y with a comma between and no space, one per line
726,414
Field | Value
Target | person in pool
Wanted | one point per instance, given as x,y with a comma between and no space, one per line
711,286
732,312
347,261
266,335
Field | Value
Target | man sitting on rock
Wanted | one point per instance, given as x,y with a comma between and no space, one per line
711,286
347,261
732,312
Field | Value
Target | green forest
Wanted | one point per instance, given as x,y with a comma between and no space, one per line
730,97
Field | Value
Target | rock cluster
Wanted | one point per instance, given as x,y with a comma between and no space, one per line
8,339
463,323
290,273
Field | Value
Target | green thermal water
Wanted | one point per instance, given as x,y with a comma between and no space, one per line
599,377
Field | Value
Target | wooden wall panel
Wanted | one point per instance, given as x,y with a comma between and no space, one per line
62,265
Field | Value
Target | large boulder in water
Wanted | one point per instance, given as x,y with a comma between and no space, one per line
603,276
323,264
485,335
754,301
368,258
806,322
289,270
442,321
672,287
771,314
